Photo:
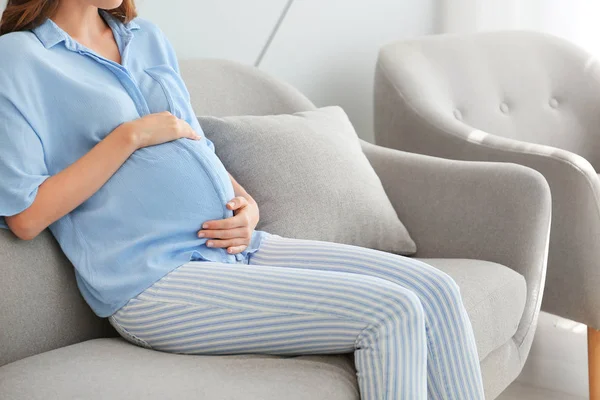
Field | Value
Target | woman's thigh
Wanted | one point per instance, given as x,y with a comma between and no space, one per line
425,280
216,308
437,291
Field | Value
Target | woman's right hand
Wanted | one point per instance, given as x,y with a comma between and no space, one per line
159,128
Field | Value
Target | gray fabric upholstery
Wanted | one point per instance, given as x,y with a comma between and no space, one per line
40,306
115,369
310,178
498,213
518,97
223,88
494,297
501,368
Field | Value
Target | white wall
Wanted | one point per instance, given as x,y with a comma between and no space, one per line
326,48
231,29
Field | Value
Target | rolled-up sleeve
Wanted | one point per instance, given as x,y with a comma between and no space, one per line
22,163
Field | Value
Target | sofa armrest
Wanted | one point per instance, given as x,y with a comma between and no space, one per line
497,212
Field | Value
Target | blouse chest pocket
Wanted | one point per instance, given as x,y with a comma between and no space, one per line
166,91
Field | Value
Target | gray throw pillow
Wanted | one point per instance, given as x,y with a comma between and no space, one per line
310,178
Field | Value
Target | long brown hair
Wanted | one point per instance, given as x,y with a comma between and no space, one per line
21,15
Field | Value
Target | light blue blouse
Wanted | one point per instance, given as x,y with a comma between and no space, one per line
58,99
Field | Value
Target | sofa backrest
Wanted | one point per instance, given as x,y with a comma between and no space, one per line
222,88
40,306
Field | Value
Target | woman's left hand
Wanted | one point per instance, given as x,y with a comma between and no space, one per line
235,232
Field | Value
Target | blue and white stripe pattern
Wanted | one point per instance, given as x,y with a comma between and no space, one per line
403,319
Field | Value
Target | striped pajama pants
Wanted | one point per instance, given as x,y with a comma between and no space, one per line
403,319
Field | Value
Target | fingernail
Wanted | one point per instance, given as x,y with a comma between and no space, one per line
209,244
201,234
230,204
229,251
205,226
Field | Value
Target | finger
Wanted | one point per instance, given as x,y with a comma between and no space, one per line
193,135
237,221
223,234
236,249
237,202
188,131
227,242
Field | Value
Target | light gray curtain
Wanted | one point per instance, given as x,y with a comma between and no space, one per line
575,20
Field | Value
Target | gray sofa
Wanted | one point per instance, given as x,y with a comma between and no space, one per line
485,224
519,97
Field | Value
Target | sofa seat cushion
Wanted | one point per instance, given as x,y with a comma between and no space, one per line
115,369
493,295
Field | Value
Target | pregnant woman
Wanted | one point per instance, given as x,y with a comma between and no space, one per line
99,143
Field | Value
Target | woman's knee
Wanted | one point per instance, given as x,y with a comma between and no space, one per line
400,303
449,285
440,285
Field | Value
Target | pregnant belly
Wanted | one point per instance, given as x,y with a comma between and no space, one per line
164,191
